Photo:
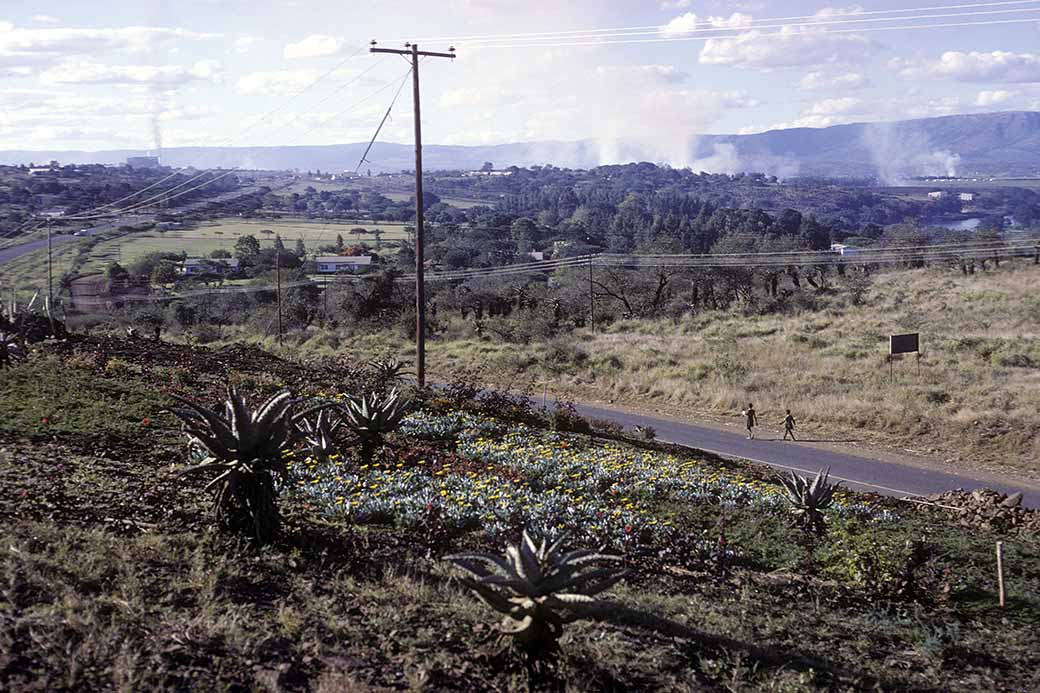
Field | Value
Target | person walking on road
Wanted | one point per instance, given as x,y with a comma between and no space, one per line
752,420
789,426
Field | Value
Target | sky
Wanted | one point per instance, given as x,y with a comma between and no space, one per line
145,74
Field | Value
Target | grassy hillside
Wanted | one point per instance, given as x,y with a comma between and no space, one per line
975,402
115,580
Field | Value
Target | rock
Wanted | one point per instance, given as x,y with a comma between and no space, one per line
1013,501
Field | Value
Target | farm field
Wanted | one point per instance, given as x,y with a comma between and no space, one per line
713,583
209,236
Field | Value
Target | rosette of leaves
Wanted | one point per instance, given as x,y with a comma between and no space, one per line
808,499
11,351
320,434
244,448
538,587
388,371
373,417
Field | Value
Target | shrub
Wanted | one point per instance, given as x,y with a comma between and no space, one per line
565,417
607,427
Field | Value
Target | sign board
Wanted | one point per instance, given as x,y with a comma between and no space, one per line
905,343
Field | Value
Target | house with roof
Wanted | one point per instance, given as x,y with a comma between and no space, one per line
208,265
334,264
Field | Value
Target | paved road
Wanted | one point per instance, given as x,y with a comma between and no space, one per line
858,472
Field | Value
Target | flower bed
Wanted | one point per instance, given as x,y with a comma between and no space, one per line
506,475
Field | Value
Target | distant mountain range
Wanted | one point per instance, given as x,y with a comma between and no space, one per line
995,144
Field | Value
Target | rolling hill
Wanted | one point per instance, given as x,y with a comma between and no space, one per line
995,144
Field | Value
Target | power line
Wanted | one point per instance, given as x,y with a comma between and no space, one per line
751,23
248,129
167,196
382,122
909,27
785,26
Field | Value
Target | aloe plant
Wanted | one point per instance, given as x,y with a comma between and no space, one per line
374,416
536,585
319,434
809,499
244,448
388,371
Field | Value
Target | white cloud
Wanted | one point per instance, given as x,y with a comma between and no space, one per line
279,81
661,74
791,45
163,75
45,19
816,81
689,22
831,107
314,46
62,42
994,97
1001,67
683,24
243,44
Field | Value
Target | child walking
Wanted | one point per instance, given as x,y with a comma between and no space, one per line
789,426
751,419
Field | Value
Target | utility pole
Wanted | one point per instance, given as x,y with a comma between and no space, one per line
412,49
278,288
50,268
592,300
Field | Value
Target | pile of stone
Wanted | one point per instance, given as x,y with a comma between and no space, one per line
989,510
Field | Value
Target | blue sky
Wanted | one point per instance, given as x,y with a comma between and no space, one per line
132,73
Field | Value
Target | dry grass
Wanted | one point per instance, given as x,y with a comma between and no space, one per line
976,401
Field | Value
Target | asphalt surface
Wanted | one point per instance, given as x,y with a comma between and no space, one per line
858,472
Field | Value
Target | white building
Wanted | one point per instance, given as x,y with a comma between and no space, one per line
937,195
967,197
333,264
842,249
208,265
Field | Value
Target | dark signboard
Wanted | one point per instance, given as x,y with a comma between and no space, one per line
905,343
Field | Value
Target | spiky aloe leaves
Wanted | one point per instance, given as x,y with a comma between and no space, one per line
808,499
374,416
535,584
319,434
245,451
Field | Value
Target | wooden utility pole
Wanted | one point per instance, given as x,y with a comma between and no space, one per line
592,300
278,287
412,49
50,268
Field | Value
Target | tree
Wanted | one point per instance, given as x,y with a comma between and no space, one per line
301,249
339,241
164,273
246,247
278,244
488,166
220,253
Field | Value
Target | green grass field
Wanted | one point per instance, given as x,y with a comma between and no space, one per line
29,272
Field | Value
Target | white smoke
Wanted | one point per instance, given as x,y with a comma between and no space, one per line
899,152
